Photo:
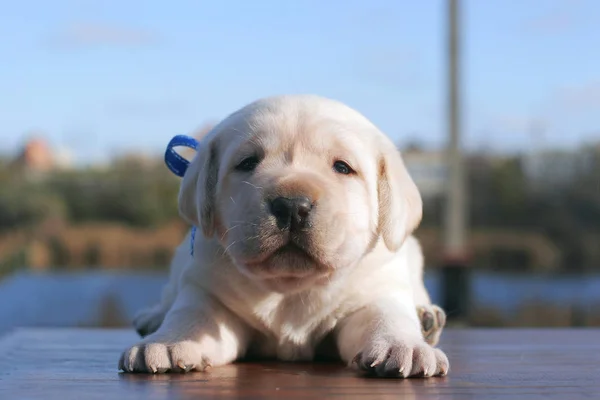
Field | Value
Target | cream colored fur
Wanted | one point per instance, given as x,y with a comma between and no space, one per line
357,281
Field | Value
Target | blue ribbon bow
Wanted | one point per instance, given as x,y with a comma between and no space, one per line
178,165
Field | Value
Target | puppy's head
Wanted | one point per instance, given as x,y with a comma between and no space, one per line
296,188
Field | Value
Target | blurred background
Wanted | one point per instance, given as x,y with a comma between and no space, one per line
499,125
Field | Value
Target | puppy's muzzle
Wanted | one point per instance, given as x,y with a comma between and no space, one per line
293,214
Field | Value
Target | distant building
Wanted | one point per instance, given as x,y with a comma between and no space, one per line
63,158
427,169
36,156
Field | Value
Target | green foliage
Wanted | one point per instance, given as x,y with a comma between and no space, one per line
500,196
130,194
25,203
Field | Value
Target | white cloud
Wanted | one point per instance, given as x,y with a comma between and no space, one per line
579,98
86,34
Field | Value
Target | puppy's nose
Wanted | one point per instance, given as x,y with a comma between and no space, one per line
291,213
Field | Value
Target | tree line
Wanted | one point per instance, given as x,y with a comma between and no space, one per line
144,196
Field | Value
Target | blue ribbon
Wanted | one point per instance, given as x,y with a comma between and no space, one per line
193,233
176,163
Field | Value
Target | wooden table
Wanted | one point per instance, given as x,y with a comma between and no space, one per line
519,364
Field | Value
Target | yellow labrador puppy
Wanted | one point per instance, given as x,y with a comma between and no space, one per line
306,213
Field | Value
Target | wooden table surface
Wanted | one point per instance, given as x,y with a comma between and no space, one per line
519,364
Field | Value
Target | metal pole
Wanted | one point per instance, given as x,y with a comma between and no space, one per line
455,273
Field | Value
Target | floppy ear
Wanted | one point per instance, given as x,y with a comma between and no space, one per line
198,188
400,203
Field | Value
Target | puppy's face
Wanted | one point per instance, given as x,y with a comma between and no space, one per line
296,189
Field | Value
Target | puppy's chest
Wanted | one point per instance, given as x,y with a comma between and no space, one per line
292,332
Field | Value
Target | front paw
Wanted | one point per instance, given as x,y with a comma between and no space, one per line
155,358
433,320
401,359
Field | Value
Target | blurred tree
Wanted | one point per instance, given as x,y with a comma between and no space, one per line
23,204
92,255
501,195
59,254
142,193
130,194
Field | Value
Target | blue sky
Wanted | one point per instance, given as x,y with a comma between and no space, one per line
105,76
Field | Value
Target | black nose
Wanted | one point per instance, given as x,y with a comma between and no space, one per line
292,213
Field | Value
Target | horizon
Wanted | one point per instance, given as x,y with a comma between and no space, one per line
65,160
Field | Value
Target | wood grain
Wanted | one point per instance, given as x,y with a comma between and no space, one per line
519,364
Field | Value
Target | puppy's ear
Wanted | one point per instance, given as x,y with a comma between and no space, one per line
400,203
198,188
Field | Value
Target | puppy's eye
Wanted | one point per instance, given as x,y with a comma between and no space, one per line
248,164
342,168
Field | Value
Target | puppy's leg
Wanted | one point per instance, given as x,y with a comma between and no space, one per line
148,320
432,317
197,332
385,339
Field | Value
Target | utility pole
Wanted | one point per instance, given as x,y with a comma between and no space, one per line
455,272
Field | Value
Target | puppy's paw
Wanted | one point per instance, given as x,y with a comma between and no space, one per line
147,321
402,359
433,320
160,358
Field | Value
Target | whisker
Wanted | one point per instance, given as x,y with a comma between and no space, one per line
225,233
244,223
253,185
227,248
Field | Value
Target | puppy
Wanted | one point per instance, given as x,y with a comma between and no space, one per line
306,213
